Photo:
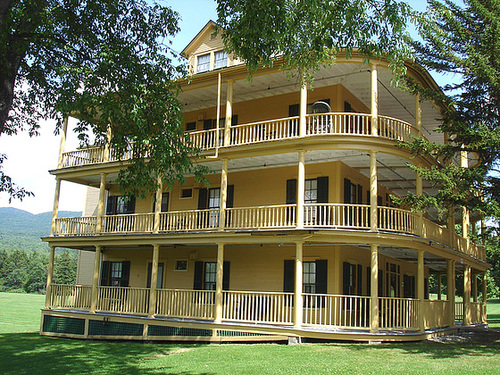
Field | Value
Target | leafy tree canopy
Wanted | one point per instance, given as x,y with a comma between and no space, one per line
308,34
107,62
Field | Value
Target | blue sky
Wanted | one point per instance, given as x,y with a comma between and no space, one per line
30,159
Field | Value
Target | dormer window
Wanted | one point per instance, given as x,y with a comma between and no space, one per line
220,59
203,63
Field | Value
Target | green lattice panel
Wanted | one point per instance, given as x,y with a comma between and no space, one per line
59,324
177,331
237,334
104,328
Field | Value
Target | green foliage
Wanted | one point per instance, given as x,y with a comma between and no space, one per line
310,34
109,63
65,269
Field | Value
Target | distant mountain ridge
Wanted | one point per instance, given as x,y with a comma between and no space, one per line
22,230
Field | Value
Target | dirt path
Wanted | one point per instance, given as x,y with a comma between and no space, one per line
478,335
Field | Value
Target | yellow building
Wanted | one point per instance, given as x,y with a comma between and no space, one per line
296,235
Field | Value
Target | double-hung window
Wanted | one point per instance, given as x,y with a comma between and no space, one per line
203,63
220,59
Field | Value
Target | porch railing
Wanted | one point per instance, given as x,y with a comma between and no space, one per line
189,220
181,303
76,297
333,215
130,223
79,226
279,216
123,300
436,313
398,313
261,131
476,312
459,311
336,310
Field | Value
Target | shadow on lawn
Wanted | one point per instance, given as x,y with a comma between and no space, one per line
29,353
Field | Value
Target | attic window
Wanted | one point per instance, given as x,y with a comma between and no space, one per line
220,59
203,63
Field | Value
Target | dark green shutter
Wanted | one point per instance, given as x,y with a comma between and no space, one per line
348,107
125,273
368,281
322,276
105,273
150,271
291,191
347,190
225,275
202,199
360,194
380,283
346,278
293,110
322,189
198,276
360,280
207,124
110,205
130,205
426,288
230,196
234,120
289,276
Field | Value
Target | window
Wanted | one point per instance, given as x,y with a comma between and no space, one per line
115,273
393,279
349,279
181,265
159,280
311,191
164,202
309,277
210,278
408,286
190,126
210,198
205,275
220,59
187,193
314,276
203,63
119,205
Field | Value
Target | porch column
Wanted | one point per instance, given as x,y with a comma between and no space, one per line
100,205
95,279
374,98
474,287
229,113
62,145
467,294
50,273
107,146
485,296
420,289
464,163
420,215
303,110
418,115
55,208
451,224
223,194
450,290
374,318
154,280
159,192
439,287
218,284
297,296
373,190
301,185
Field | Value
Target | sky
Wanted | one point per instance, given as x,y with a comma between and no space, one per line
30,159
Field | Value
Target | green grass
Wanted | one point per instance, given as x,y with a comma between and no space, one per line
493,312
23,351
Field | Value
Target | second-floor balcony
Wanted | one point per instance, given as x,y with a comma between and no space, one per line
325,124
318,216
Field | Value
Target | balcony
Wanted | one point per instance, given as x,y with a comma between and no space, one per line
319,216
326,124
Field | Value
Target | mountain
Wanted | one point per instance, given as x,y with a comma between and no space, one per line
22,230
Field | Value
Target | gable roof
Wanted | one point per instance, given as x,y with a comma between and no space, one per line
201,34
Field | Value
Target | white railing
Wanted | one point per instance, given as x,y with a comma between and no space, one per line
459,311
265,131
338,123
181,303
396,219
398,313
130,223
189,220
337,215
84,156
258,307
77,297
206,139
336,310
76,226
395,129
280,216
123,300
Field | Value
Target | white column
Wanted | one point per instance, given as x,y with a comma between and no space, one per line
62,145
464,163
450,290
420,214
154,281
218,283
223,194
50,273
159,192
55,208
107,146
229,113
374,317
418,115
467,295
373,191
374,98
301,184
100,205
420,289
95,279
297,296
303,110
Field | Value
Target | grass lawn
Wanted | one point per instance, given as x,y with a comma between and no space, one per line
23,351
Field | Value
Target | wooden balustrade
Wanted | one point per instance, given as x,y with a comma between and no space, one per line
338,123
76,226
76,297
84,156
436,313
396,219
265,131
334,215
206,139
189,220
336,310
258,307
130,223
123,300
398,313
459,311
281,216
181,303
395,129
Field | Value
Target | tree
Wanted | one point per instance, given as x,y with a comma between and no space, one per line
14,271
109,63
36,277
65,269
310,34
